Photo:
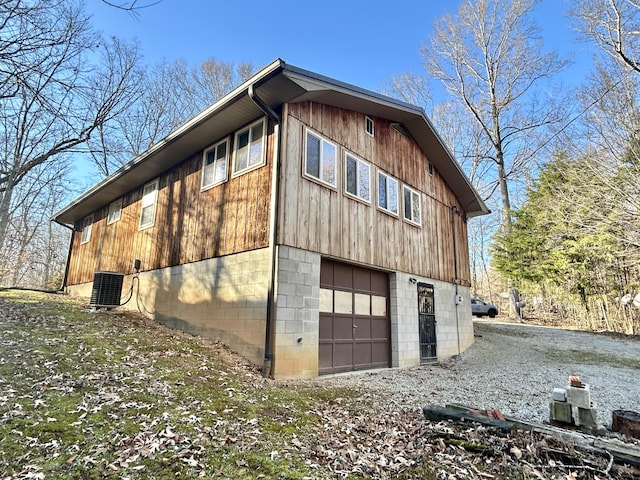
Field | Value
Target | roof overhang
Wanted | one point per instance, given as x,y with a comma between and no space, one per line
275,84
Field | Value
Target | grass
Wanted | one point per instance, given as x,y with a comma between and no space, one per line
591,358
95,395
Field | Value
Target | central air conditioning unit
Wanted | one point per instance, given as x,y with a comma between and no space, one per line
107,289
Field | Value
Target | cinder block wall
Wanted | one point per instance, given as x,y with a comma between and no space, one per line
297,314
451,331
222,298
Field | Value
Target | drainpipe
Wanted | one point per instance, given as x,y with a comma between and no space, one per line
456,280
273,216
66,268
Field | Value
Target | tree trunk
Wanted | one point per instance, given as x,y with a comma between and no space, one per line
5,205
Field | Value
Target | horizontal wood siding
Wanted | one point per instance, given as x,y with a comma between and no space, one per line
190,225
317,218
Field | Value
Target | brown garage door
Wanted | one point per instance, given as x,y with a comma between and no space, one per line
354,319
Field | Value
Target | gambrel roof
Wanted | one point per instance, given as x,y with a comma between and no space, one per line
275,84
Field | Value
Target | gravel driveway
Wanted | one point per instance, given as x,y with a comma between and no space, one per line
514,368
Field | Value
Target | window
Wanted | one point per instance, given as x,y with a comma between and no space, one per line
249,149
412,209
320,160
148,208
357,178
87,224
115,210
368,125
214,164
387,193
430,168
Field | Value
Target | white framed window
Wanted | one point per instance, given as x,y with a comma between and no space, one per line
387,193
115,211
368,126
320,159
357,178
148,205
214,164
87,225
412,207
249,148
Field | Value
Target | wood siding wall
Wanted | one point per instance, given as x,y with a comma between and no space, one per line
317,218
190,224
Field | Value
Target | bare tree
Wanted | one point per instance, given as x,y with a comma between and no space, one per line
173,93
490,57
614,25
55,95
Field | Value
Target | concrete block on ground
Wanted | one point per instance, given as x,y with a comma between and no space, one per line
585,417
579,397
560,412
559,395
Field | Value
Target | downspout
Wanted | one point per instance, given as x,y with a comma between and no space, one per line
456,280
273,216
66,268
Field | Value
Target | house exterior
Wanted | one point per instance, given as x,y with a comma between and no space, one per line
312,226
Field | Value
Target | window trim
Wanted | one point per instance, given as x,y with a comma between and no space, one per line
369,121
307,132
204,187
87,226
111,210
154,203
263,147
404,213
380,207
359,162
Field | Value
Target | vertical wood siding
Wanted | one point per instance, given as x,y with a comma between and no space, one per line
318,218
190,225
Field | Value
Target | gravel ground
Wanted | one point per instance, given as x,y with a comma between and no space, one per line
514,368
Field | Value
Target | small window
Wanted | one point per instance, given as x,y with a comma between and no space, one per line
387,193
368,125
249,151
115,211
214,164
412,209
148,207
320,159
430,166
357,178
87,225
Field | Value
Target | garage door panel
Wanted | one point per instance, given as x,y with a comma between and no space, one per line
362,331
361,279
325,351
326,327
380,353
362,354
379,328
342,355
379,283
343,328
343,275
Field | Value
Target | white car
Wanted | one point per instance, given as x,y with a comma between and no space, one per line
480,308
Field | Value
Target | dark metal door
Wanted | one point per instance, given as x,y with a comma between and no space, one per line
427,319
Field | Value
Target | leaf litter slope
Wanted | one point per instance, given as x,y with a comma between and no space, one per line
85,395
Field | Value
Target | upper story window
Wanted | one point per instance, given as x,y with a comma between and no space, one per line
214,164
115,211
87,225
387,193
357,178
148,204
430,168
249,150
368,125
320,159
412,207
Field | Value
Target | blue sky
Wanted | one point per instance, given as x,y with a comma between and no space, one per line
359,42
